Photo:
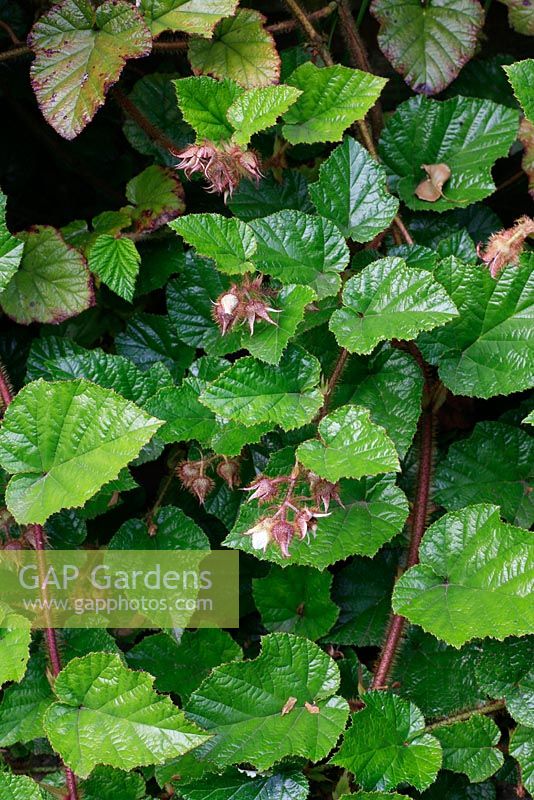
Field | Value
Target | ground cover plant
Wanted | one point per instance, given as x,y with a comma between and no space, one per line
267,284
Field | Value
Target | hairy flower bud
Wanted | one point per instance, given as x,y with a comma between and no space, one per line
225,310
282,534
505,247
324,491
263,489
201,487
228,470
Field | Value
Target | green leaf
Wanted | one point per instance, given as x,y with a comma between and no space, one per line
108,714
389,300
352,192
387,745
116,261
295,600
469,747
299,248
52,283
283,784
374,511
268,342
374,796
428,44
455,786
191,16
362,590
467,134
19,787
520,16
204,103
251,200
250,725
505,670
332,99
113,784
11,248
227,240
486,350
158,197
241,49
80,51
15,638
75,642
472,580
170,529
521,76
151,339
180,667
251,392
258,109
350,446
494,465
23,705
522,749
185,417
63,441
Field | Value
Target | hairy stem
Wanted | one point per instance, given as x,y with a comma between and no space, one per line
313,36
10,32
289,25
488,708
332,382
16,52
144,123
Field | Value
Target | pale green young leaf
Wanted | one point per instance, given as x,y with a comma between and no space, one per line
295,600
522,749
428,44
389,300
250,725
23,704
520,16
352,192
473,578
15,638
52,282
204,103
227,240
108,714
387,745
506,670
466,133
521,76
116,261
241,49
251,392
295,247
494,465
268,342
190,16
350,445
11,248
19,787
257,109
529,419
487,350
283,783
80,51
106,783
157,196
63,441
470,747
332,99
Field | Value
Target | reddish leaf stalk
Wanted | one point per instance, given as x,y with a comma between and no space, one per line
16,52
144,123
488,708
50,633
339,366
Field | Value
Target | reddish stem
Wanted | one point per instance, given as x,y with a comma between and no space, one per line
144,123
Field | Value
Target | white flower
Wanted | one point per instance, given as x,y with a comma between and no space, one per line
261,534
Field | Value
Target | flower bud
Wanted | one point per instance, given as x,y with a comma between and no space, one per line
228,470
282,534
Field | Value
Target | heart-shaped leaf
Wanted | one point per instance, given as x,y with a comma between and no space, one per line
469,747
521,76
227,240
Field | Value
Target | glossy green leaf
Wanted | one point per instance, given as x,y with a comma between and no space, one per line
113,784
251,201
15,638
240,48
180,667
522,749
185,417
332,99
23,705
151,339
428,44
520,16
116,261
63,441
269,341
283,784
506,670
52,282
352,192
299,248
387,745
521,76
11,248
227,240
494,465
19,787
350,446
374,511
296,600
250,725
251,392
389,300
487,350
469,747
259,108
80,51
455,786
473,579
467,134
108,714
191,16
170,529
157,196
204,103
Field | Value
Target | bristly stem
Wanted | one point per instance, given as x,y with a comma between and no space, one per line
488,708
15,52
144,123
312,34
339,366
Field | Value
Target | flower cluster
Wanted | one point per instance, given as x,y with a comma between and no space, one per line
290,515
247,302
223,166
505,247
193,475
